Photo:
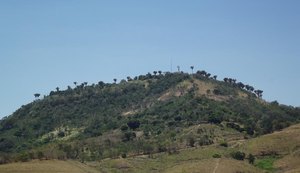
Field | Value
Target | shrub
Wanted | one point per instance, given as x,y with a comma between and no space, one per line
238,155
217,156
134,124
23,157
124,127
224,144
124,155
251,159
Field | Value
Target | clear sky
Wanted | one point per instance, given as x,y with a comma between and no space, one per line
49,44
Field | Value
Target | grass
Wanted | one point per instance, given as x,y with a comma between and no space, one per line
266,163
47,166
190,160
282,142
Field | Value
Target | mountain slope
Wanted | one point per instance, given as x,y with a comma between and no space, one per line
147,114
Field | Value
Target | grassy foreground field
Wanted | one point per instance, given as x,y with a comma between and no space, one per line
47,166
190,161
277,152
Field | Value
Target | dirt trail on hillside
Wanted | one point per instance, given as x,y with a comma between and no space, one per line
217,165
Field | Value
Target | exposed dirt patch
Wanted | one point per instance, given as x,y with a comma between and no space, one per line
180,90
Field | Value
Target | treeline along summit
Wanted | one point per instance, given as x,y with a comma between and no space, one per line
145,114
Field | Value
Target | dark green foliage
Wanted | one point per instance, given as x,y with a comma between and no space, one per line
124,127
124,155
217,156
134,124
238,155
128,136
23,157
251,159
6,144
234,126
224,144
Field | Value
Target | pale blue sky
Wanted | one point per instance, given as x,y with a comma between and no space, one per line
45,44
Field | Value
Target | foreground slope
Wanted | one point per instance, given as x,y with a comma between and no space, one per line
194,159
283,145
47,166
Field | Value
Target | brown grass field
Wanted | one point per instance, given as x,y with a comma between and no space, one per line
285,143
47,166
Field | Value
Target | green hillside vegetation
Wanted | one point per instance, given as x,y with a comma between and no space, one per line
145,115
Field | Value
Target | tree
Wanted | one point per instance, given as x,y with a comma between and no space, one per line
178,68
202,73
101,84
192,67
258,93
133,124
37,95
240,85
251,159
75,83
226,79
215,77
57,89
207,75
155,72
159,72
249,88
115,80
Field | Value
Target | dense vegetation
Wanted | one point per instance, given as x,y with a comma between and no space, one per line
141,115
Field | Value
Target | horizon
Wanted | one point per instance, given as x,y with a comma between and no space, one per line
45,45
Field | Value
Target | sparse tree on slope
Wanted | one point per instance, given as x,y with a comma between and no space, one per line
192,67
37,95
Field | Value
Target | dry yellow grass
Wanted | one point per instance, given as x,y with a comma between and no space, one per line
283,142
180,90
203,87
47,166
213,166
289,164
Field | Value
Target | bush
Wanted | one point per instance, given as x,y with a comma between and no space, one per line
133,124
23,157
128,136
217,156
238,155
224,144
251,159
124,127
124,155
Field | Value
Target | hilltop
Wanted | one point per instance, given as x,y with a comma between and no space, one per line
144,115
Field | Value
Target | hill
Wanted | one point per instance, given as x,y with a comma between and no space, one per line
147,114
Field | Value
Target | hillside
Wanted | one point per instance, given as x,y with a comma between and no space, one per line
144,115
283,158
